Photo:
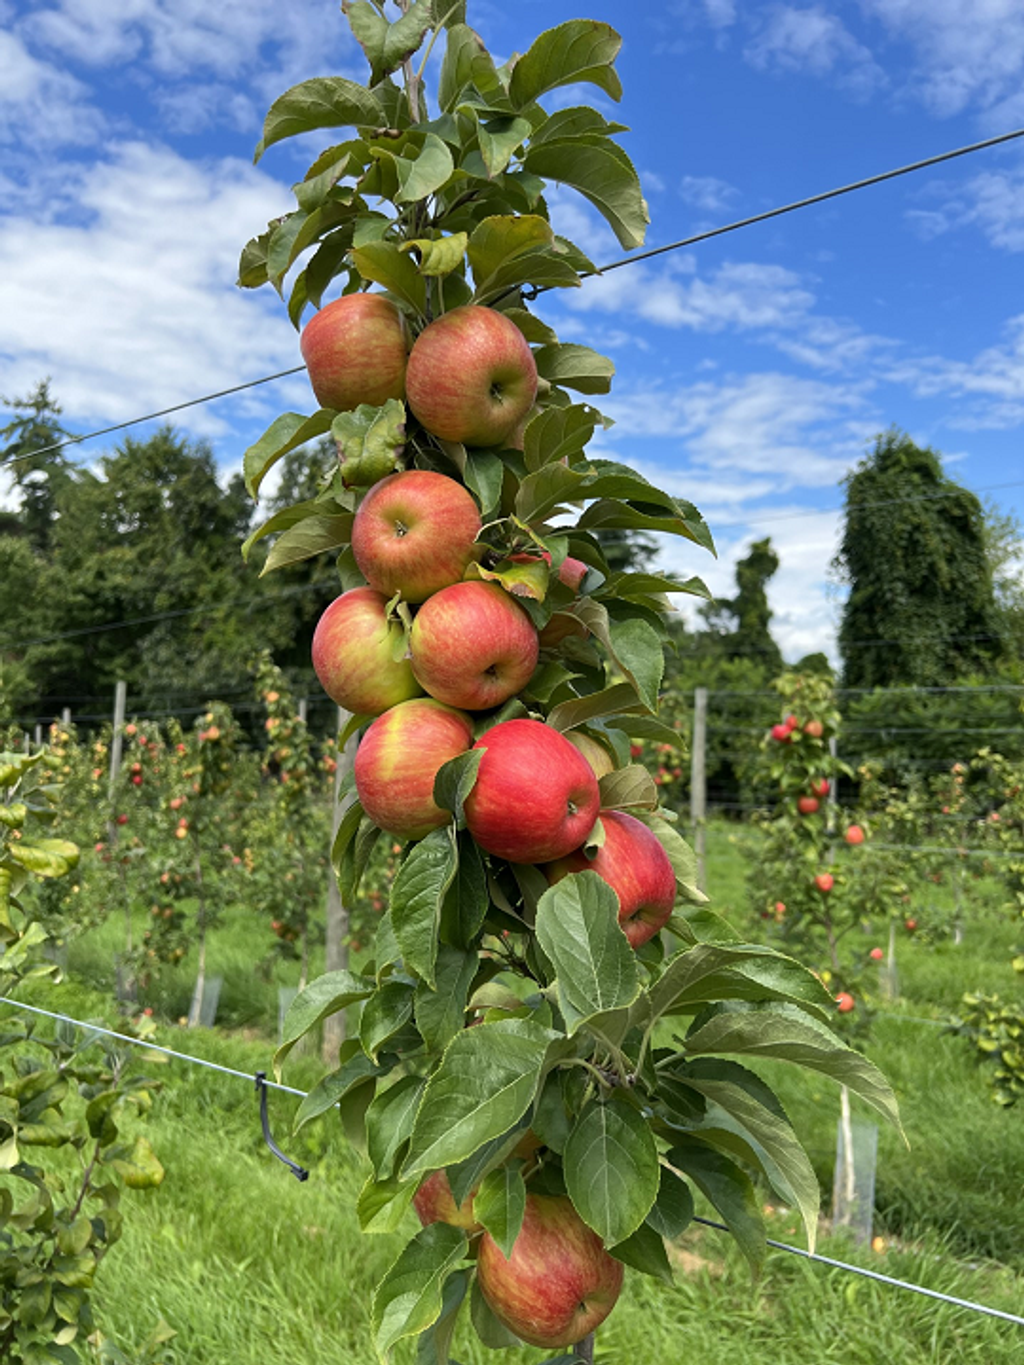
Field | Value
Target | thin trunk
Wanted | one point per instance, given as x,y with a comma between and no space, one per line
336,937
196,1009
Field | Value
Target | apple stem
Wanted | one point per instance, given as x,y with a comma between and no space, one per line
585,1349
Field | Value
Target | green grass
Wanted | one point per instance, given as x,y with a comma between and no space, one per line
250,1266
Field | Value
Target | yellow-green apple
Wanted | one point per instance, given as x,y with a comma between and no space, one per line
558,1285
637,868
535,797
599,758
435,1203
397,761
471,376
356,350
473,645
413,533
353,654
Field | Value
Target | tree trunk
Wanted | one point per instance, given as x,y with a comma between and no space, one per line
336,942
196,1009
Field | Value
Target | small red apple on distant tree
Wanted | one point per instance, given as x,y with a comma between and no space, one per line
535,798
844,1002
814,729
635,865
558,1285
354,648
820,786
910,925
471,377
807,805
782,733
435,1203
876,954
824,881
854,834
414,533
397,761
356,350
473,645
791,722
122,819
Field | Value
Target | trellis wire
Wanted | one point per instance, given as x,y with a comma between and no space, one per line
707,1222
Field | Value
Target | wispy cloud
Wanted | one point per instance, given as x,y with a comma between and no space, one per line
791,39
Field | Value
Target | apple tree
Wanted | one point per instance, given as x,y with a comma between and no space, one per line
532,1067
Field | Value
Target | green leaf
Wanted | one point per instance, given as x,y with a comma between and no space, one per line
575,367
578,929
602,173
424,176
43,857
454,781
141,1170
644,1250
499,138
680,855
347,830
579,50
441,1012
326,995
370,441
409,1298
417,895
432,1347
465,904
614,700
252,264
672,1211
465,1176
467,61
385,264
382,1205
711,972
578,121
611,1169
282,521
493,1333
557,434
386,1013
612,514
355,1068
388,45
722,1182
311,192
438,256
541,492
312,536
485,1083
285,433
788,1033
543,269
631,788
501,238
389,1122
499,1205
322,102
484,473
355,858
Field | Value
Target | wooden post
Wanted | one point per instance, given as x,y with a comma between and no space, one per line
336,940
39,737
302,709
65,716
698,780
117,742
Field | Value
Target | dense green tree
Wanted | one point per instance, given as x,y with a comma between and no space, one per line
38,473
921,608
739,627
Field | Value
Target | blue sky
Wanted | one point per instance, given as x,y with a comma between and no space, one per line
752,371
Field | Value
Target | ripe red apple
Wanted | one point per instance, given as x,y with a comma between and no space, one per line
558,1285
353,655
807,805
471,376
820,786
355,351
780,909
397,761
599,758
814,728
536,796
876,955
845,1002
782,733
791,722
122,819
824,881
473,645
910,925
435,1203
854,835
413,533
635,865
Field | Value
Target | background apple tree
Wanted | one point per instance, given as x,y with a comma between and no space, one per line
616,1065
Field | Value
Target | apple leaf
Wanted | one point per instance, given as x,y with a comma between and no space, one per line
680,855
385,1013
711,972
387,45
484,473
493,1333
355,858
285,433
576,121
455,780
501,238
730,1190
312,536
541,492
644,1250
575,367
786,1032
370,441
578,930
389,1122
438,256
386,265
602,173
252,264
417,895
467,61
672,1211
608,514
485,1083
433,1344
500,1203
528,580
441,1012
322,102
611,1169
614,700
499,138
631,788
557,434
647,584
578,50
282,521
532,327
465,903
544,269
644,727
465,1176
424,176
382,1205
347,830
632,643
409,1298
326,995
355,1068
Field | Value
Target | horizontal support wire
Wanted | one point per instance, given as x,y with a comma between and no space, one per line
779,1246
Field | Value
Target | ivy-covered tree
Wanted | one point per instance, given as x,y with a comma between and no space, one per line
921,608
740,627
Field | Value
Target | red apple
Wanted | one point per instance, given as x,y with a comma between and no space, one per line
572,572
397,761
599,758
471,377
414,532
791,722
473,645
354,655
820,786
558,1284
814,729
876,955
910,925
780,909
844,1002
854,835
355,351
807,805
782,733
536,796
435,1203
637,868
824,881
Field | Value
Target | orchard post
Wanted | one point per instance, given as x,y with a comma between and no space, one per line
117,739
698,781
303,705
336,933
65,716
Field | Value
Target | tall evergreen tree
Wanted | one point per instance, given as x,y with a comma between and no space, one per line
921,608
739,627
38,473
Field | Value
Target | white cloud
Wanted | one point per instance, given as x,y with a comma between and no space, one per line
813,40
993,202
40,104
992,382
126,296
707,193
